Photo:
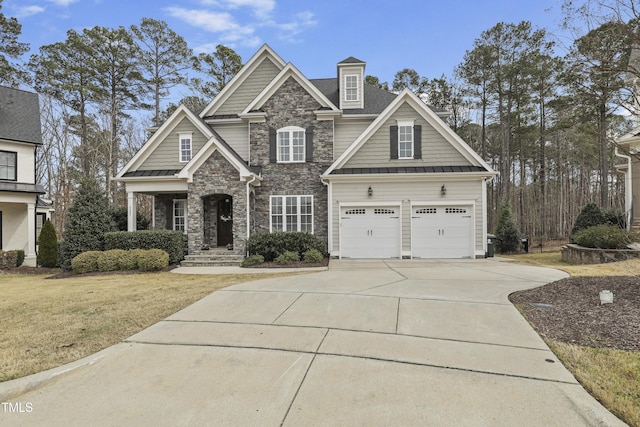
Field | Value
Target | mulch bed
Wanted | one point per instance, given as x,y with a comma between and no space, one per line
569,311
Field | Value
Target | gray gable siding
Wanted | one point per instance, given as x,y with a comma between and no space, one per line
166,154
436,150
237,136
250,88
346,132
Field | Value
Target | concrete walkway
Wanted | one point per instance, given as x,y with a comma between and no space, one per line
364,343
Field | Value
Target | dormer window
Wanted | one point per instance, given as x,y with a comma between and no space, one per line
291,145
185,142
351,87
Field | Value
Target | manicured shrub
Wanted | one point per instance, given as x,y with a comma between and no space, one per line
121,219
252,260
589,216
169,241
87,220
85,262
19,257
287,257
47,246
110,260
129,259
8,259
153,260
604,237
312,256
507,233
271,245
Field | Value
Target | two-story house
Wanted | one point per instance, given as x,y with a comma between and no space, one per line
22,212
374,174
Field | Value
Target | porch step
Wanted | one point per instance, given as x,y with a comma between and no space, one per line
213,258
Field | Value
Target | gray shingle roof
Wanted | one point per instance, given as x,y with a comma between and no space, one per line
351,60
375,99
19,116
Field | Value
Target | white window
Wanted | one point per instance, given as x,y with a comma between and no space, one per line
292,213
180,215
405,139
351,88
185,147
8,161
291,145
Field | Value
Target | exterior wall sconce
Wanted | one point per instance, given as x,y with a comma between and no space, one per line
370,191
443,190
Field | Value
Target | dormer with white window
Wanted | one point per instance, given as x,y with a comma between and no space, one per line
351,80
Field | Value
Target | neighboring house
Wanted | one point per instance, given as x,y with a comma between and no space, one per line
374,174
628,148
22,212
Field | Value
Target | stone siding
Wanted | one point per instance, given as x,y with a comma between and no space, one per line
216,176
291,105
575,254
161,204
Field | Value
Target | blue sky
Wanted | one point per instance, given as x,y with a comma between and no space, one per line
428,36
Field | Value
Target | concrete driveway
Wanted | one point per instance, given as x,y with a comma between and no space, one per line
364,343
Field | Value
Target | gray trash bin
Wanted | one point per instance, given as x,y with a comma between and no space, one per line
491,238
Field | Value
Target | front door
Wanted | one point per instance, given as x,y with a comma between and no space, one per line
225,221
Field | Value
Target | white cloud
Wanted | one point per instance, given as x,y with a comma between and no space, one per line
290,30
62,2
24,11
260,8
222,23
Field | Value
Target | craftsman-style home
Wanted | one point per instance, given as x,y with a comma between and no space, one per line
374,174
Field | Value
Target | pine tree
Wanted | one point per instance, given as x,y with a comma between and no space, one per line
507,233
47,246
88,218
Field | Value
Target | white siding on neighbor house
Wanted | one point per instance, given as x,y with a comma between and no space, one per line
14,225
236,135
436,150
346,132
250,88
418,191
25,160
167,155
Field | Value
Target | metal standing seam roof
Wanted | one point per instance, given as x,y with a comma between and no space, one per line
20,116
408,169
155,172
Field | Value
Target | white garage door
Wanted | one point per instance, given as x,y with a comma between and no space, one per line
370,232
441,232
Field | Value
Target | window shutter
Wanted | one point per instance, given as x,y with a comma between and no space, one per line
273,145
417,142
308,141
169,207
394,142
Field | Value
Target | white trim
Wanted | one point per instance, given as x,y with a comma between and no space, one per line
466,203
289,70
425,112
284,212
186,215
184,136
347,88
290,130
160,135
265,52
395,204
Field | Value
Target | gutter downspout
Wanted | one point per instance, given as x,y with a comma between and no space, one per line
628,197
329,215
253,179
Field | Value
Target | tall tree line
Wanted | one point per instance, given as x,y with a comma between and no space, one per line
545,120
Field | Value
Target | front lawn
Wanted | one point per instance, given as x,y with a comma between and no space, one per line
46,323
